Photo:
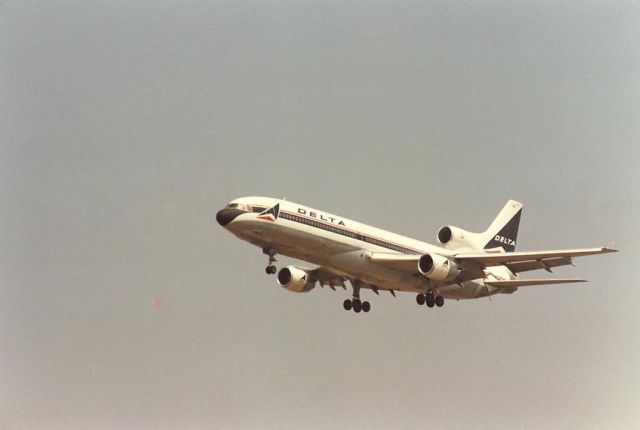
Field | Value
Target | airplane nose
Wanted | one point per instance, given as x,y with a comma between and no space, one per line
225,216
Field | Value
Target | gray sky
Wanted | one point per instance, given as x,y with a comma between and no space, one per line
126,125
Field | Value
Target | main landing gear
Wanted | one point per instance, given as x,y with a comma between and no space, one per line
270,269
430,299
356,304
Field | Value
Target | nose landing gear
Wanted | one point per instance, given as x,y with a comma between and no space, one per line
270,269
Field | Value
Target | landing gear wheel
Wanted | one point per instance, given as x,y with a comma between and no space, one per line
439,301
357,306
270,270
366,307
347,305
420,299
430,301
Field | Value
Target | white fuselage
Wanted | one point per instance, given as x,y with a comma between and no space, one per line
343,245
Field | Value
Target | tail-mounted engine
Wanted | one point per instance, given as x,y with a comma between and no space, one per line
455,238
438,268
294,279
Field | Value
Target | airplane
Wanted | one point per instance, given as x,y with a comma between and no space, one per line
465,265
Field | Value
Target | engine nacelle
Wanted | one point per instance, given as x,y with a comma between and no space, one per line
438,268
294,279
454,238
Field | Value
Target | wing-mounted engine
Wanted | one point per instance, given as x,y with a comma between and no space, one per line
456,238
438,268
295,279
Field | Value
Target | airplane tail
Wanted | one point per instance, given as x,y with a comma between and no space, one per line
503,231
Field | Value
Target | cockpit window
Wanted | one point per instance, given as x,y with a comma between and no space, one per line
241,206
258,209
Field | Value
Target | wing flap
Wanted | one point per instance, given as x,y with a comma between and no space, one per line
528,282
325,276
494,259
548,263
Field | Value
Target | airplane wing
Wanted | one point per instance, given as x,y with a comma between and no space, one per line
547,264
516,261
326,277
528,282
532,260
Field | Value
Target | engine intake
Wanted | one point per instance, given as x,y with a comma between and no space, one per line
438,268
294,279
445,235
455,238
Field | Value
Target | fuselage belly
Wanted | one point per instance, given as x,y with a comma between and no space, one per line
343,255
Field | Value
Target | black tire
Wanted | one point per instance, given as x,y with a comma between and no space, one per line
439,301
430,301
366,306
357,306
347,305
268,270
420,299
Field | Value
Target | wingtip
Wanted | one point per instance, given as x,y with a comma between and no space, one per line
606,249
515,203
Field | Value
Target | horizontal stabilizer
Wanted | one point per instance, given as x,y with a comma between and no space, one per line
527,282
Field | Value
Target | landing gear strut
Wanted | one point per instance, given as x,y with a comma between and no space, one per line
270,269
430,299
355,303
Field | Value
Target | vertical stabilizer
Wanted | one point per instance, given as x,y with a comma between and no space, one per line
503,231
